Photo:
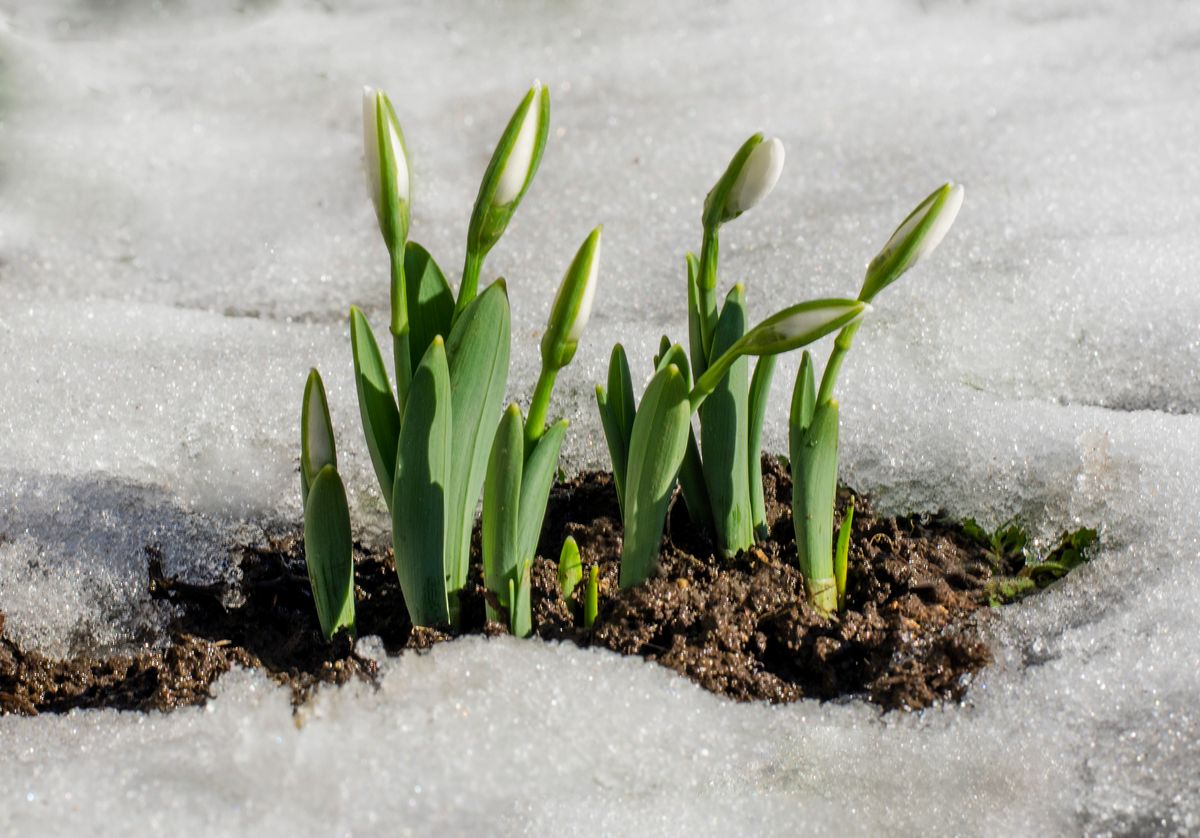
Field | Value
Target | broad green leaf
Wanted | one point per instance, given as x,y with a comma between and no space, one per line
430,300
520,611
617,454
814,486
760,392
570,568
376,405
538,478
420,513
477,350
617,411
317,448
724,434
841,557
656,450
328,552
501,505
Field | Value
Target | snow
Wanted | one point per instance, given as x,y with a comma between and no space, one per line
183,227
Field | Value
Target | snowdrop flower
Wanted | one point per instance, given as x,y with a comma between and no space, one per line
915,238
511,170
388,172
800,325
757,178
573,304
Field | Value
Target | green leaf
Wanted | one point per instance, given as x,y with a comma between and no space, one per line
617,412
477,349
591,598
691,483
520,611
841,556
656,450
695,333
420,512
501,508
724,435
804,396
376,405
760,392
814,486
430,300
328,552
541,465
317,448
570,568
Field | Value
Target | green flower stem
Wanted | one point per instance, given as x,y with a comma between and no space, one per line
706,286
470,283
535,423
399,329
841,345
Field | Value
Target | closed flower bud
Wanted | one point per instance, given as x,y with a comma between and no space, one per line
317,448
388,173
749,177
757,178
915,238
511,170
573,304
800,325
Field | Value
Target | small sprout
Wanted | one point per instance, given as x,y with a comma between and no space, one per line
591,597
570,570
841,557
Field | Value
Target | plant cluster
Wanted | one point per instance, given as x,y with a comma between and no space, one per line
436,443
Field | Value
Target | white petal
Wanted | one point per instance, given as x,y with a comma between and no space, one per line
942,224
757,177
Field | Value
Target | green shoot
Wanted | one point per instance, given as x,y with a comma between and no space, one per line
570,568
591,598
841,557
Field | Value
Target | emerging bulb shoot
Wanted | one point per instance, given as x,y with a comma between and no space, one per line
388,172
916,237
573,304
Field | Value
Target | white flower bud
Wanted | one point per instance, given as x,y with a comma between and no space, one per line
757,178
519,164
916,237
379,118
573,304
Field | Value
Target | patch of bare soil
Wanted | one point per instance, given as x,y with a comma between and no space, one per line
910,636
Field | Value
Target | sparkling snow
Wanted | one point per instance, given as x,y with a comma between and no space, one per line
183,225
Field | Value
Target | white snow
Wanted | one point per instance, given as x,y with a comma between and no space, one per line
183,226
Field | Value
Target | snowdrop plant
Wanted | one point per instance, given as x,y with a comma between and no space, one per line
648,442
813,420
524,456
722,474
720,477
431,440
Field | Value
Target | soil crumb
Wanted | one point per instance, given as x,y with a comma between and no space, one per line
911,634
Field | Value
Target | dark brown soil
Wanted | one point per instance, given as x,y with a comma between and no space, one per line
910,635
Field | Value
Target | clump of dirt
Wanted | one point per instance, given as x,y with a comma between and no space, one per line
910,635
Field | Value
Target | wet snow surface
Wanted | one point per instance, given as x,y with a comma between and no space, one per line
184,224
